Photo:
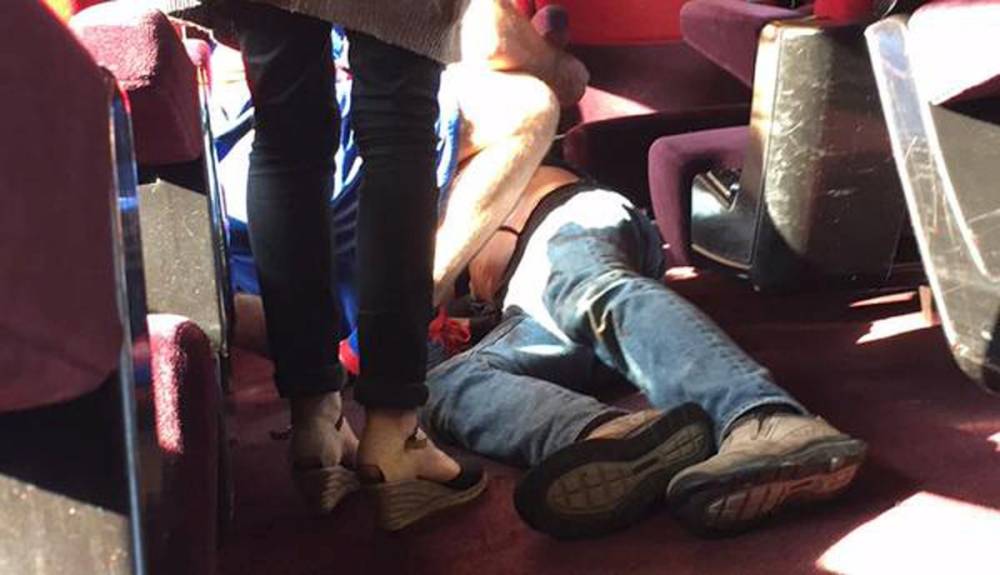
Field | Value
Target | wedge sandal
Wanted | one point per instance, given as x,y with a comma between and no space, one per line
322,487
399,504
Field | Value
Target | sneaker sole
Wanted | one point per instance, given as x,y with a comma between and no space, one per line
600,486
744,497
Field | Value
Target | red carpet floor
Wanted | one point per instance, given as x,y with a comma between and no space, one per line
928,500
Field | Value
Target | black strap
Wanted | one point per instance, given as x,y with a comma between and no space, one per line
547,205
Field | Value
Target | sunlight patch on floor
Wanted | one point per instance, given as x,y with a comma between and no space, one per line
926,533
893,326
610,105
682,273
886,299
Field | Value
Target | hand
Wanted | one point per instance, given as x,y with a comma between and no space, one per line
568,79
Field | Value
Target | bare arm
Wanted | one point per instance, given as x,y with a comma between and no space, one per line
510,84
509,121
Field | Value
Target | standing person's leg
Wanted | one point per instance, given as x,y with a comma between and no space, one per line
395,108
289,71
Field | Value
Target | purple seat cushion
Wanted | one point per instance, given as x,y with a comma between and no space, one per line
142,49
954,45
59,330
674,161
615,152
726,31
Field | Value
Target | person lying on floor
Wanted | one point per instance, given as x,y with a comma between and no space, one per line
521,364
578,272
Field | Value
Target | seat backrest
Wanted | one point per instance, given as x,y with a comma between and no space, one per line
144,52
818,202
727,31
955,45
947,162
59,329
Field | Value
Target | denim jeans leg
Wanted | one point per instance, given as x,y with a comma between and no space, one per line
592,272
510,396
289,71
394,111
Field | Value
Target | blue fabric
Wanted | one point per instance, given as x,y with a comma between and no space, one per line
236,128
587,289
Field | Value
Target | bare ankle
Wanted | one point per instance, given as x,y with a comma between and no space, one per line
390,421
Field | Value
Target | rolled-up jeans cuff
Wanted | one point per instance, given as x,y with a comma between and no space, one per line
303,384
382,394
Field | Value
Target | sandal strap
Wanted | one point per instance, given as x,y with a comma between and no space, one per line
370,474
416,440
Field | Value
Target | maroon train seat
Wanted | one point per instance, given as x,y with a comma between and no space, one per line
806,195
144,52
726,32
188,406
643,81
954,44
59,330
939,82
72,284
182,223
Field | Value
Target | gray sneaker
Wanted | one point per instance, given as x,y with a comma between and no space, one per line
616,476
767,463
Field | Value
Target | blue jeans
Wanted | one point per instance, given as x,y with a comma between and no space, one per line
588,289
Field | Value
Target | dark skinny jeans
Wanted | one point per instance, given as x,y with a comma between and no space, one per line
289,69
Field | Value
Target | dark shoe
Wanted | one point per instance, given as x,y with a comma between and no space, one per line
399,504
765,464
597,486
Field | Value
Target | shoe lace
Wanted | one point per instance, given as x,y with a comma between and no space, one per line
452,334
349,358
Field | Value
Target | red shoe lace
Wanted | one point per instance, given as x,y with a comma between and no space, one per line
348,358
452,334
